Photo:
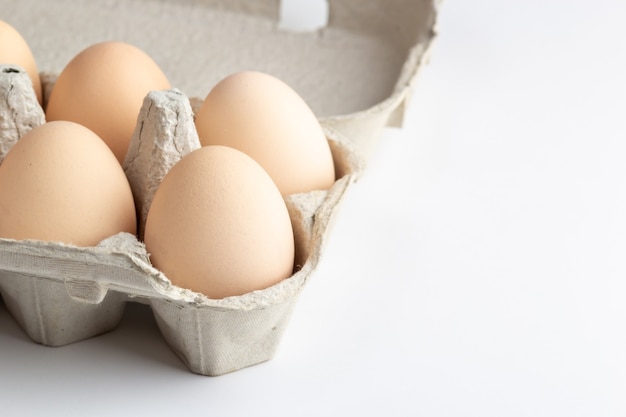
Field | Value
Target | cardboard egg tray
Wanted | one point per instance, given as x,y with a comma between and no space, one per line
357,73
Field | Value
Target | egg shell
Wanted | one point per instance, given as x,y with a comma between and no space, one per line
61,183
15,50
218,225
103,88
61,294
262,116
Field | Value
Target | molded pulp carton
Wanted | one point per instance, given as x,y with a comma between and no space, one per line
357,74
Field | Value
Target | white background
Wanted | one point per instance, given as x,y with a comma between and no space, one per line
477,269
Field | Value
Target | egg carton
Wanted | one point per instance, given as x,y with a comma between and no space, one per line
61,294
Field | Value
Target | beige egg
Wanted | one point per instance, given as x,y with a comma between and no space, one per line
14,50
103,88
265,118
218,225
60,182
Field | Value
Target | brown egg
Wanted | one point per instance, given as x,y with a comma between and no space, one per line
103,88
60,182
14,50
265,118
218,225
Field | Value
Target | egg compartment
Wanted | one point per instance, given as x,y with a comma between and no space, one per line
61,294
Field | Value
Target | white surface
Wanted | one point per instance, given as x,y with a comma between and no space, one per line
478,269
